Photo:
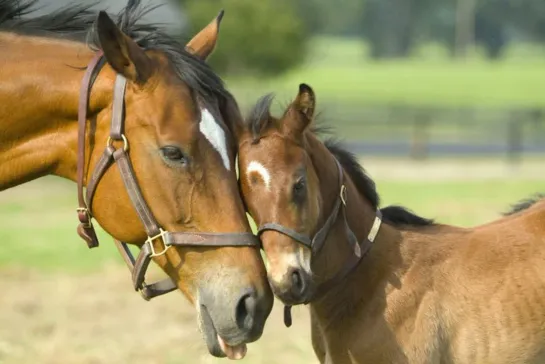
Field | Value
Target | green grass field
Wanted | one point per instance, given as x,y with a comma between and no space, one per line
339,72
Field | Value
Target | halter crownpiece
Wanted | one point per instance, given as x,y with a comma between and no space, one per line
120,156
317,242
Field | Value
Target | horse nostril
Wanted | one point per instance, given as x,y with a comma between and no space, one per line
298,282
245,311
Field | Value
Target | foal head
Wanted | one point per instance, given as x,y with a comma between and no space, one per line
279,183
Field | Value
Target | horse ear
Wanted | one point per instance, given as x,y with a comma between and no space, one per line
203,44
300,113
121,52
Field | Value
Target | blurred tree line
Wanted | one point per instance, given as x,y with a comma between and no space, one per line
262,37
267,37
394,27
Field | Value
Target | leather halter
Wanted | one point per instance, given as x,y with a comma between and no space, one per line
120,156
316,243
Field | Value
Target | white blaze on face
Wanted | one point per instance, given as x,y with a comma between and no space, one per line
215,135
256,167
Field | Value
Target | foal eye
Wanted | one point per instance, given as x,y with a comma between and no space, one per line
174,154
299,186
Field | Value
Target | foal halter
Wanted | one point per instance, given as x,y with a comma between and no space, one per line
317,242
120,156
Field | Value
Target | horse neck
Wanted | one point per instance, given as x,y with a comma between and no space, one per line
39,96
377,266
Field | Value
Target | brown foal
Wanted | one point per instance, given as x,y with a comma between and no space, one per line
161,176
401,289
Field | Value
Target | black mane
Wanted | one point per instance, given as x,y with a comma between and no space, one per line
525,204
259,121
77,22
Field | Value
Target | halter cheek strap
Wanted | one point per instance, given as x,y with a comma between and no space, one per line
316,244
120,156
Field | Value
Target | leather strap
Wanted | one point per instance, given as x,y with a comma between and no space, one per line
148,291
184,239
85,228
118,108
138,266
127,175
353,261
102,166
317,243
301,238
210,239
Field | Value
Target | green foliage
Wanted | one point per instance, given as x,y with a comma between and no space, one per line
264,37
339,17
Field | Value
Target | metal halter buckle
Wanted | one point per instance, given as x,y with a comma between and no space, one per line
343,194
150,240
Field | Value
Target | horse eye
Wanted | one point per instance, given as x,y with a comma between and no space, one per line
299,186
174,154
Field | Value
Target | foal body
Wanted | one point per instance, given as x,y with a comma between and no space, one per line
423,293
441,294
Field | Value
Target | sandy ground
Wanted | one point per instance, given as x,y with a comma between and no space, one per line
97,318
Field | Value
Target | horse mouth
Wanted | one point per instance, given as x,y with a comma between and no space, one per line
217,346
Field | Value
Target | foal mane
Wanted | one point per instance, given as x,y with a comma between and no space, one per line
77,22
258,121
525,204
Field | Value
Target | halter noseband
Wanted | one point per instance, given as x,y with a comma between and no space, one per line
316,243
120,156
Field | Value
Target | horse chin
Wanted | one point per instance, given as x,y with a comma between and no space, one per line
209,333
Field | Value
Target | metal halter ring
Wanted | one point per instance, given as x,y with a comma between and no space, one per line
150,240
110,141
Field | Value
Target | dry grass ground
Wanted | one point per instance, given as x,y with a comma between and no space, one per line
96,318
60,303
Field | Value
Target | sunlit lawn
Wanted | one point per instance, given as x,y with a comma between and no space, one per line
339,72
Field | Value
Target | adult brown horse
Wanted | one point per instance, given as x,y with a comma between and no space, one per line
391,289
160,176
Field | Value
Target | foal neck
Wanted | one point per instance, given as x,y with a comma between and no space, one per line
342,299
39,96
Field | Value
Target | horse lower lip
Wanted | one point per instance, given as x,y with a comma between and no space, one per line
210,333
236,352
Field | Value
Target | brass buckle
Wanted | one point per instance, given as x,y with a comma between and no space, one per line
110,141
85,210
150,240
343,194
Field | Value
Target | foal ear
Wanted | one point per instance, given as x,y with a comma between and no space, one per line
203,44
122,53
301,111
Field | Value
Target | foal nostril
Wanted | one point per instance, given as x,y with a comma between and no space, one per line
245,311
298,283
